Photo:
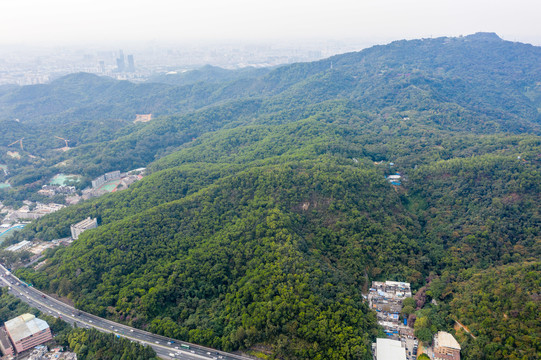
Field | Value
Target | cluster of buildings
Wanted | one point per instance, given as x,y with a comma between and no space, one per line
445,348
386,299
42,353
40,65
23,333
30,211
110,176
110,182
36,248
106,183
52,190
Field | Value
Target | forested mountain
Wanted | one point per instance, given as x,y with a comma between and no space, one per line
266,213
478,83
501,307
207,74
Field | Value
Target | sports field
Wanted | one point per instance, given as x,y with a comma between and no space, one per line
62,179
4,234
110,186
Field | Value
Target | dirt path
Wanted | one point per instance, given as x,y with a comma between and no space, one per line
459,325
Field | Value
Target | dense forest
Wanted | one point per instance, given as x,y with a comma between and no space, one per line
501,308
266,214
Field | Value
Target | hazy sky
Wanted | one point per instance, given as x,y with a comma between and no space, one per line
60,22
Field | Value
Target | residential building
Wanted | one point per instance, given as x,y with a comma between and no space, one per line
86,224
386,299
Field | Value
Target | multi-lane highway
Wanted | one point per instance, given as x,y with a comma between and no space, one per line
166,348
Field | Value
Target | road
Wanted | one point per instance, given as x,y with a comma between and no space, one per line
166,348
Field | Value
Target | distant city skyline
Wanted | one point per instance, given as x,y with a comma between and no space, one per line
66,22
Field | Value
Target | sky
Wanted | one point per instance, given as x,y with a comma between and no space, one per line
79,22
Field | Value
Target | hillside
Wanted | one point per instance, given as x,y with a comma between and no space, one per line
255,257
266,213
501,307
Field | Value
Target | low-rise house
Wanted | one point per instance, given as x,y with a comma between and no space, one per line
386,299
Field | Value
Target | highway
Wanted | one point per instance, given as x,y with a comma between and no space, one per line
166,348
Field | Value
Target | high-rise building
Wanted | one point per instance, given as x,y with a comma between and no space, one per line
120,64
131,64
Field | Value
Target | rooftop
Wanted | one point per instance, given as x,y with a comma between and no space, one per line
24,326
444,339
85,223
18,246
387,349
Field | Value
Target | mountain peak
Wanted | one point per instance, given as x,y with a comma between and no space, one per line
484,36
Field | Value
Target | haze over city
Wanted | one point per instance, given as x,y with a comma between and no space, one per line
64,22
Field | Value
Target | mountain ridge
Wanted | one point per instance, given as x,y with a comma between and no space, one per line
267,212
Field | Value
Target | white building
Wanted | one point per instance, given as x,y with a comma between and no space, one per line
23,245
387,349
86,224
